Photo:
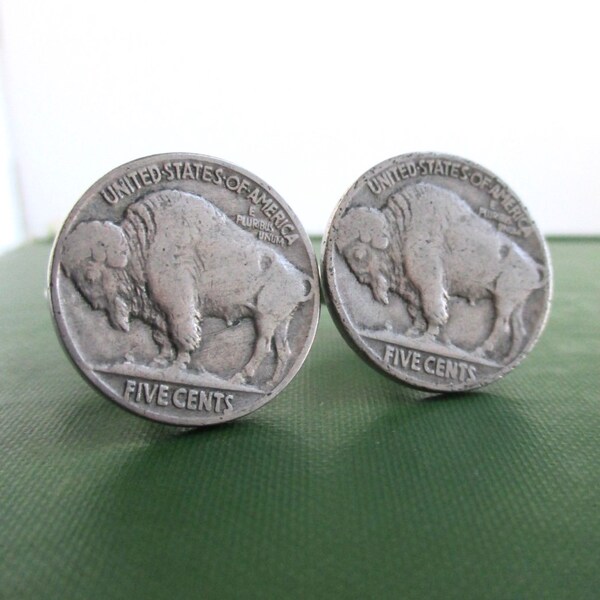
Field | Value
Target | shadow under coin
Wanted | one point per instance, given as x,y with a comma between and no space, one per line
444,481
190,508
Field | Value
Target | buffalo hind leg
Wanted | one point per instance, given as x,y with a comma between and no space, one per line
284,352
518,332
501,327
265,330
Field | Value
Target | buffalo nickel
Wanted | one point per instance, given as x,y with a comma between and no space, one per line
435,272
185,289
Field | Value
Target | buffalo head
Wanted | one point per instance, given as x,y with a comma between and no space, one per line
363,240
94,257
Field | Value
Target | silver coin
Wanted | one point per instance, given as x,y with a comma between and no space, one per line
435,272
185,289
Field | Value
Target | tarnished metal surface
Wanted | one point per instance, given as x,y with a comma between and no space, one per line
185,289
435,272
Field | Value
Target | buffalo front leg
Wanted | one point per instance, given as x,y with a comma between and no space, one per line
413,307
188,335
427,274
176,295
165,348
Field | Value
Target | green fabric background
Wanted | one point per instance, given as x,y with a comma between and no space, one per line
348,485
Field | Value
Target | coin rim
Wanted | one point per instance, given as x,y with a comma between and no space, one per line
76,358
342,321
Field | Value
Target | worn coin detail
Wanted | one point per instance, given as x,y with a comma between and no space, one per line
435,272
185,289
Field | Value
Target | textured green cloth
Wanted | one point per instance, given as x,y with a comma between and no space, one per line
347,485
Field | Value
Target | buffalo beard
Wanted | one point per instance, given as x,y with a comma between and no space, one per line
118,289
379,277
125,298
132,299
380,287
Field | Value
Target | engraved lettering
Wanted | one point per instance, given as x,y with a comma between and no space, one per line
405,357
374,186
440,367
111,198
155,174
150,392
464,368
218,397
253,222
494,215
245,185
476,179
270,210
279,219
388,178
207,174
136,179
232,183
192,399
429,365
187,171
122,188
276,216
384,180
130,386
451,370
254,195
205,400
179,397
130,183
145,175
271,238
290,239
415,364
138,396
163,395
219,174
264,201
432,364
168,168
389,353
178,166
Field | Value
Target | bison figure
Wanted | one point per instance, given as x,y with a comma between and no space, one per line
425,245
175,259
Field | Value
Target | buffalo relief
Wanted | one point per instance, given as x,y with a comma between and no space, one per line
427,246
175,260
435,272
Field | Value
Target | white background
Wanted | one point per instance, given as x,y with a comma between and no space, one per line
305,95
